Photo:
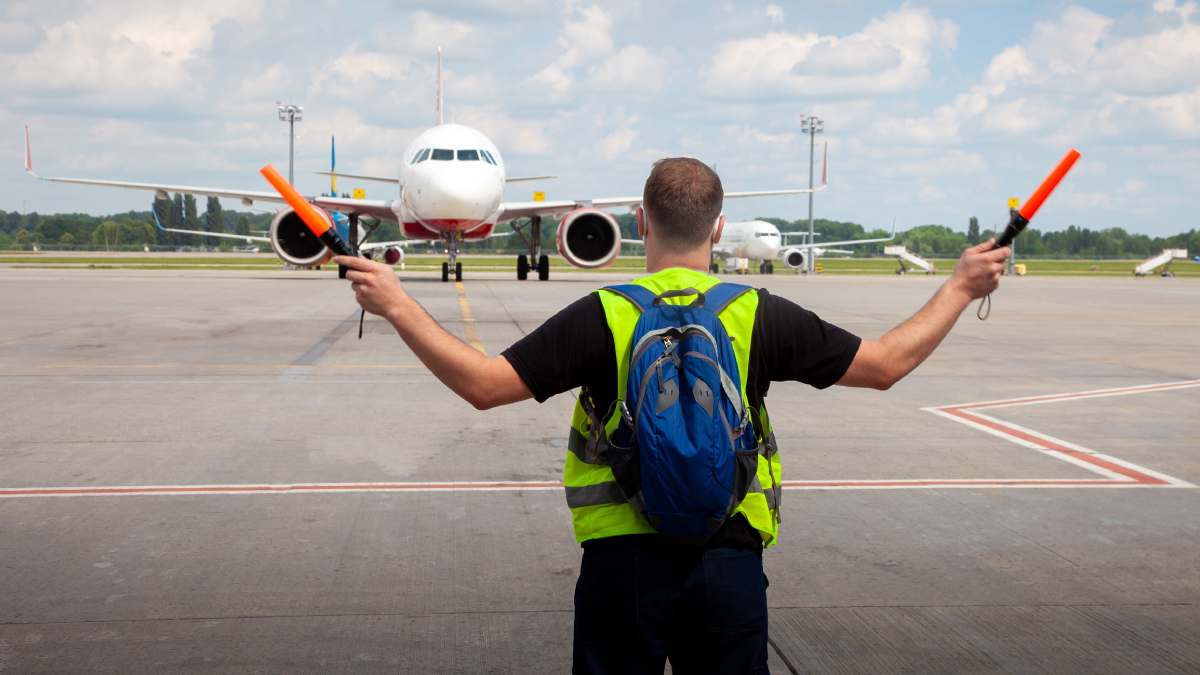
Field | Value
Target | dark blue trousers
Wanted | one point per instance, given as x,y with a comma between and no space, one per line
640,601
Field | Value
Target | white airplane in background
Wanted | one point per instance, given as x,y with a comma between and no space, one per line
761,241
450,188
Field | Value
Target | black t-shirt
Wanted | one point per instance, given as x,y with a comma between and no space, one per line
574,348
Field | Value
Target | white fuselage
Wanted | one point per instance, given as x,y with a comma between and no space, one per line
451,184
752,239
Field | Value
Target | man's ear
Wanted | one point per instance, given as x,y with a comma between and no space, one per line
716,237
640,215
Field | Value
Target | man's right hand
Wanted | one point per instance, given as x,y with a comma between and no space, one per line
978,270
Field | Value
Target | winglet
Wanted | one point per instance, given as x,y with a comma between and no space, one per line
333,167
29,155
157,223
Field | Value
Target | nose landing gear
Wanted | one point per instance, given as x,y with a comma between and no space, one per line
452,252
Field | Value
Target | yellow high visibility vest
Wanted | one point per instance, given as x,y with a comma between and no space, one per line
598,506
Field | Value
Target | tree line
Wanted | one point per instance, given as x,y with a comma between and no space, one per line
134,230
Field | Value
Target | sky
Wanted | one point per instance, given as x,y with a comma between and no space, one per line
933,112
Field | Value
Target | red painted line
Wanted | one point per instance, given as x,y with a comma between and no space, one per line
950,482
1050,445
335,487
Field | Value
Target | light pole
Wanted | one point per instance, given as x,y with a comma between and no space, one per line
291,114
811,125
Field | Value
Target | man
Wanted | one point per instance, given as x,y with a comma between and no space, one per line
641,599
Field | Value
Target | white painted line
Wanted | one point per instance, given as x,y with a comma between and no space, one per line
1073,396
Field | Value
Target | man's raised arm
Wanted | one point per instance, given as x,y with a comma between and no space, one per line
481,381
881,363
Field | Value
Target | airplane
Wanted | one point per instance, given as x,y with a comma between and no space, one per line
450,189
762,241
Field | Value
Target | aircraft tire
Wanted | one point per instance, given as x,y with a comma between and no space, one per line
522,267
543,267
445,271
714,268
770,267
458,271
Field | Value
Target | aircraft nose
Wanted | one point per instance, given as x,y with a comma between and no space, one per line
458,200
463,194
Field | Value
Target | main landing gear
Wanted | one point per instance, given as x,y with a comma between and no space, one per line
541,260
766,267
452,251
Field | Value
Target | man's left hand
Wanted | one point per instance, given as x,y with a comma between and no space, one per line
375,285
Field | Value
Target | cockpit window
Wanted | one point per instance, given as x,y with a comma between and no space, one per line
468,155
423,156
488,156
442,155
765,234
416,157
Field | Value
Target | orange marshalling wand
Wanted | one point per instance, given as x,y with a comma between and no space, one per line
1020,219
314,219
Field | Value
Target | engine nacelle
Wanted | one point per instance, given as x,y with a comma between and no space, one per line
795,258
589,238
294,242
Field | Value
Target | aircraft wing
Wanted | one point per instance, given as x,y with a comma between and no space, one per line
826,244
524,179
248,238
388,244
394,180
370,207
514,210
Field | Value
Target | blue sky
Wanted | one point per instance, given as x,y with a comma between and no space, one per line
934,111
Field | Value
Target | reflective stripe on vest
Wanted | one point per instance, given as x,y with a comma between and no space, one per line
598,506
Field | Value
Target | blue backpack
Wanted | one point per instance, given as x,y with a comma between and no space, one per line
685,450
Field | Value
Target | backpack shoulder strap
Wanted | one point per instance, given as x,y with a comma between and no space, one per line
640,297
723,294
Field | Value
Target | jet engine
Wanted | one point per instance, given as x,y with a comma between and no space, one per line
794,258
589,238
294,242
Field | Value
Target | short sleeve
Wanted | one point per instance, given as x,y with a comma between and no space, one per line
571,349
792,343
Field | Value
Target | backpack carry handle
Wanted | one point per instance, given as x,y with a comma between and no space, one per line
698,302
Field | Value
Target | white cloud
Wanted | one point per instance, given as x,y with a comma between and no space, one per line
631,68
774,14
120,58
1072,79
890,54
586,34
429,31
620,141
516,136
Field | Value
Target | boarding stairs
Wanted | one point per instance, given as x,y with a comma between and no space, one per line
1161,260
904,255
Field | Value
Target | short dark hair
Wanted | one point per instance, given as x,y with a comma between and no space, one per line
683,199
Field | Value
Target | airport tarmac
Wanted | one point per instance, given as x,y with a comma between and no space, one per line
207,471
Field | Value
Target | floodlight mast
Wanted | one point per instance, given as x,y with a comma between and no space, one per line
811,125
291,114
